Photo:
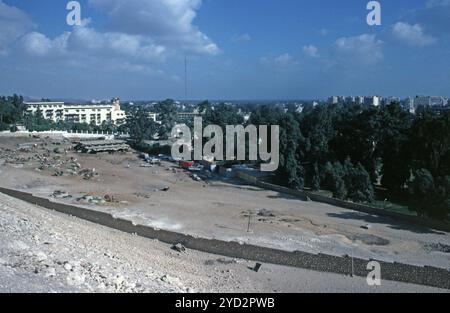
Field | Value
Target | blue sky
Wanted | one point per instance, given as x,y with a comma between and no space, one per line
236,49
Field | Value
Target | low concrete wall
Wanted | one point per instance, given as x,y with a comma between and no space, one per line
304,195
57,134
427,276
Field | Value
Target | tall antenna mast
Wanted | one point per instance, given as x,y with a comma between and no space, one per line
185,78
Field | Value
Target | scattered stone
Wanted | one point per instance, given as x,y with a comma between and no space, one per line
68,267
171,280
119,281
109,198
257,267
51,272
179,248
40,256
88,174
75,279
60,194
266,213
438,247
196,177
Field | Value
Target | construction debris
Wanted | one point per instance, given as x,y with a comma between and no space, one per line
196,177
91,199
101,146
60,194
109,198
88,174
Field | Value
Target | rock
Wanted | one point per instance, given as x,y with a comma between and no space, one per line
257,267
179,248
68,267
40,256
118,282
51,272
196,177
367,227
60,194
171,280
266,213
109,198
75,279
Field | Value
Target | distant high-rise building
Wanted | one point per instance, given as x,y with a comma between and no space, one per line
359,100
334,100
372,101
408,105
391,100
430,101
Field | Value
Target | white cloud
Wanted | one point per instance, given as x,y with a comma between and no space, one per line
311,51
84,41
14,23
363,49
38,44
166,22
413,35
137,33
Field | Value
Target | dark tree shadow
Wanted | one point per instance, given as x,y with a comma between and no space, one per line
391,222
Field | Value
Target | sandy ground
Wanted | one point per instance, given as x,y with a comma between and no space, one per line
218,208
46,251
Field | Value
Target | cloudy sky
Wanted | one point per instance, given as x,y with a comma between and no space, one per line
236,49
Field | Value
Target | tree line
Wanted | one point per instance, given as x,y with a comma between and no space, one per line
350,149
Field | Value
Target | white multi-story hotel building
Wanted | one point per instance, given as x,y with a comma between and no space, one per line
80,113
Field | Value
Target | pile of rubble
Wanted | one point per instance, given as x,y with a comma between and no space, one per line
40,158
87,198
60,194
101,146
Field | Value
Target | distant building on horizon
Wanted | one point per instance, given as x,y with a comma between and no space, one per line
430,101
80,113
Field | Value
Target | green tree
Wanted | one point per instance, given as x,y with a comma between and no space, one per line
431,195
358,184
221,115
394,134
430,143
315,181
139,125
333,180
168,115
422,189
290,170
